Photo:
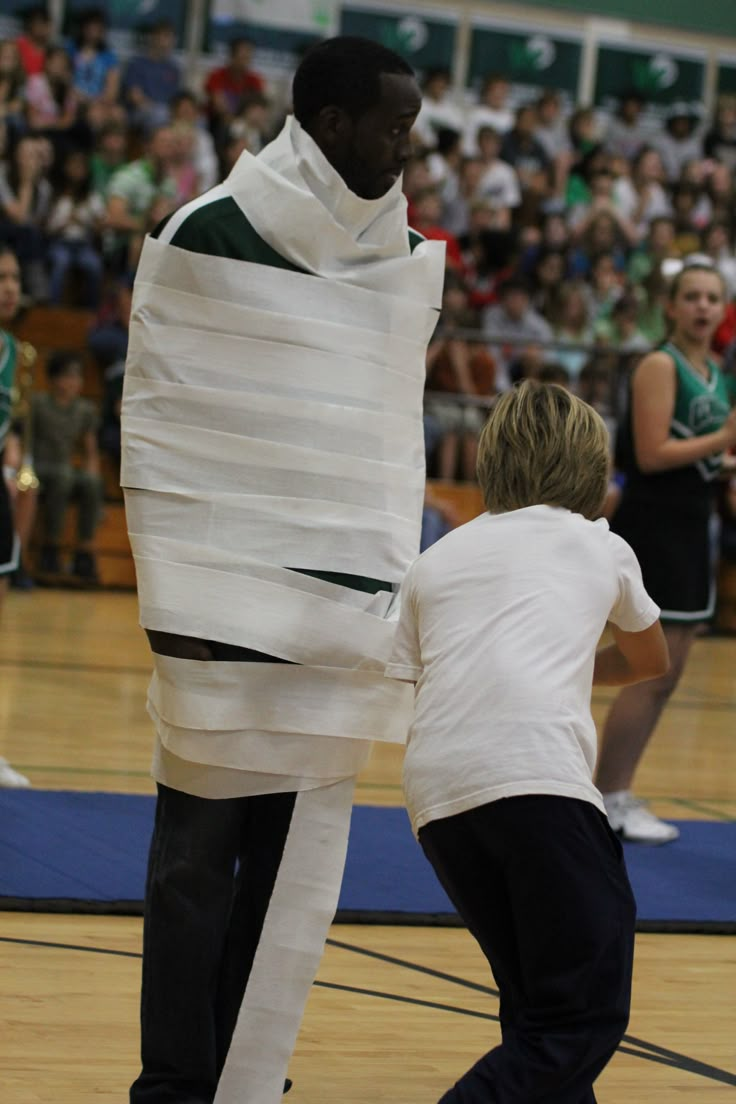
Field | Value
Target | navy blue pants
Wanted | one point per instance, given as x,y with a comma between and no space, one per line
540,882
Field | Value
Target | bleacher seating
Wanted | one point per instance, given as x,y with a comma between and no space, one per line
51,328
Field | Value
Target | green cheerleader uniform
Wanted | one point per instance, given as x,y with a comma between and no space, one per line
666,516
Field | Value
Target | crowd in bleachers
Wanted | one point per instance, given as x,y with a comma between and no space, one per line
562,224
562,228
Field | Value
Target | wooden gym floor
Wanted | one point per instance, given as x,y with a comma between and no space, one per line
397,1013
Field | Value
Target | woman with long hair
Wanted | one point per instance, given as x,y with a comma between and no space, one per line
96,67
74,222
671,451
25,196
53,104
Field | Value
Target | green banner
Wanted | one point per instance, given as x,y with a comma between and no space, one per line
425,41
660,76
528,58
132,15
274,39
727,76
706,16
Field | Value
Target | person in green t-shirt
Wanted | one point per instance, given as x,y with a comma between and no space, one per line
139,195
9,300
670,451
65,424
109,155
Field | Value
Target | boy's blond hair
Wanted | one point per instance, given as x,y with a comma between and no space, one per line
544,446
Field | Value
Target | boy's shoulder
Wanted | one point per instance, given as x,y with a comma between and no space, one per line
461,534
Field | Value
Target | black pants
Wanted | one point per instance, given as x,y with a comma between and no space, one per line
211,872
541,883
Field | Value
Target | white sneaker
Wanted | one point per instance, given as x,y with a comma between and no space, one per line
11,779
631,820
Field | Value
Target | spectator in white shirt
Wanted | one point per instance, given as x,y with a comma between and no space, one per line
499,184
552,134
437,112
680,141
641,197
492,110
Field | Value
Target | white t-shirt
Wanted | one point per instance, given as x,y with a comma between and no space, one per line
500,118
499,625
500,185
434,116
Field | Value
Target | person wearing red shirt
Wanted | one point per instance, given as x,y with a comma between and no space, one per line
227,86
35,39
427,220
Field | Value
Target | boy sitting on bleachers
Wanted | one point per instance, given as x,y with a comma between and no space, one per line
65,425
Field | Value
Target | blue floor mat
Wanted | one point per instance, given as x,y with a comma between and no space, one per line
86,852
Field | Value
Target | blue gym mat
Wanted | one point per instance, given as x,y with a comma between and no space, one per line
86,852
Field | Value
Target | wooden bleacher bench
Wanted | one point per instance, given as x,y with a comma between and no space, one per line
52,328
465,499
726,606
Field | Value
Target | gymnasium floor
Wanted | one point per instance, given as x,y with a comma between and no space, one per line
397,1013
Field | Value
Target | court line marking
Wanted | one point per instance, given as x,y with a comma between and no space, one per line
677,1060
704,805
658,1055
65,665
651,1052
110,772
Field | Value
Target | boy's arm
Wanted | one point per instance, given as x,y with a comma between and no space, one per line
634,657
405,662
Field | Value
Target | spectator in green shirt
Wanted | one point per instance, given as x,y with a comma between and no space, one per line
109,156
139,195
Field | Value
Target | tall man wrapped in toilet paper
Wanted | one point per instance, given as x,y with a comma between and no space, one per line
273,466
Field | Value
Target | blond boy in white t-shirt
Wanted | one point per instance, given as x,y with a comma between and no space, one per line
499,627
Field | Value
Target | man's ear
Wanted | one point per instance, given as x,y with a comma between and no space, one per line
331,128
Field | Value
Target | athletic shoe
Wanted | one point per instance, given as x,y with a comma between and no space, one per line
631,820
49,562
11,779
84,567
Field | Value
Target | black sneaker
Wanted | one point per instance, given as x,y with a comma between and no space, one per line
49,562
21,580
84,567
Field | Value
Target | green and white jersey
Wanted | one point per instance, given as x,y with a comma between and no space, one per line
8,357
701,406
216,226
273,464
